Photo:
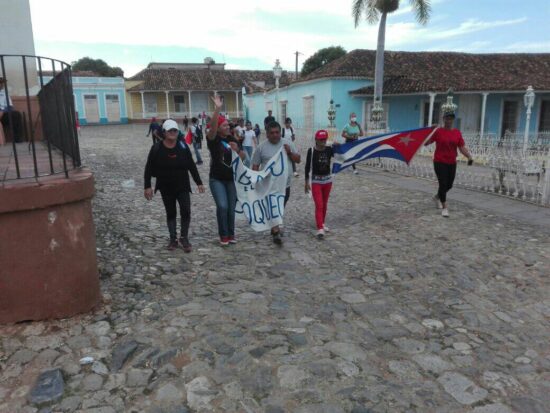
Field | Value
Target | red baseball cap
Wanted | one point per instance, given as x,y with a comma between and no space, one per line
321,135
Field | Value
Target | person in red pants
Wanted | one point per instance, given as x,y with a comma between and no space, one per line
318,161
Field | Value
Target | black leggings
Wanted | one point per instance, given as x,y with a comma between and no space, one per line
184,200
445,176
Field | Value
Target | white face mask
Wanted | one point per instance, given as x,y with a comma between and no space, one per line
354,119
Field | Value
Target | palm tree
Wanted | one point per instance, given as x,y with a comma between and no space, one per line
375,10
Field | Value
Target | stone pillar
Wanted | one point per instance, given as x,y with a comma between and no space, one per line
142,105
54,275
431,114
483,108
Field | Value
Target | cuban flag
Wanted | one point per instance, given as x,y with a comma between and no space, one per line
397,145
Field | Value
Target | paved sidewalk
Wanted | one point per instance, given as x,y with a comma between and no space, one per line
499,205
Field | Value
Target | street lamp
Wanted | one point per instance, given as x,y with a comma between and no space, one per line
528,101
449,106
331,114
277,72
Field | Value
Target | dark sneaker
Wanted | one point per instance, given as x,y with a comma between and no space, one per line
224,241
277,238
185,244
172,245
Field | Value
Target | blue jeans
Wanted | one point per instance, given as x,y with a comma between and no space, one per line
225,197
248,150
196,147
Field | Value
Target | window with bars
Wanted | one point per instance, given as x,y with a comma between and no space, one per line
150,101
283,112
509,116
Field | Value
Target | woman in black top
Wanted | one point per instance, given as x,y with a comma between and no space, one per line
221,143
318,162
170,161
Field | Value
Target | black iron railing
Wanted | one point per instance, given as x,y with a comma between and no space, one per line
38,118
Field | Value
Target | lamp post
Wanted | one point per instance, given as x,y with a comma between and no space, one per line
528,101
277,72
449,106
243,94
377,113
331,114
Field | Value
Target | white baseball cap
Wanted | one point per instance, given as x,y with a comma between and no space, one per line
170,124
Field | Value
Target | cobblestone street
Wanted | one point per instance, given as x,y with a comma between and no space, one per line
397,310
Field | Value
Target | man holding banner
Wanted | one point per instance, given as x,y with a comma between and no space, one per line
263,156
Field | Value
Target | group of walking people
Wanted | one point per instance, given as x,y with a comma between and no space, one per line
170,161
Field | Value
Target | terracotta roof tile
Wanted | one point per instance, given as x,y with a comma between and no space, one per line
205,79
409,72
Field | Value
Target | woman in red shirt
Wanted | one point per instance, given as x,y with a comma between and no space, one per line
447,140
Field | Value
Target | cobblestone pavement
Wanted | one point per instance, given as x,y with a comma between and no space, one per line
397,310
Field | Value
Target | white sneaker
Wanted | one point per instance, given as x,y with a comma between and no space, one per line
326,228
438,203
320,233
355,171
445,213
296,174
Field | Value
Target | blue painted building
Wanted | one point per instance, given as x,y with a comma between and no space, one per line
98,100
489,90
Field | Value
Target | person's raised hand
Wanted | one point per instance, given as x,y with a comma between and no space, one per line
218,103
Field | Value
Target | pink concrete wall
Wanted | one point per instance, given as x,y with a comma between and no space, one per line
48,266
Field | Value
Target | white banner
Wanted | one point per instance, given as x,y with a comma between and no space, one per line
261,194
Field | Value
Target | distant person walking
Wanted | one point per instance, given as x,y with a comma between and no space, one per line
196,132
170,161
288,132
268,119
351,132
249,142
447,140
155,130
258,132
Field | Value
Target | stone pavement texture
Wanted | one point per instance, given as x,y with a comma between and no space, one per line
397,310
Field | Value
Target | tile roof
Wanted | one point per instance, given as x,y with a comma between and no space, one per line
410,72
205,79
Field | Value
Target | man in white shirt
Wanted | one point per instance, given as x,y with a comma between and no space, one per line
10,118
265,151
288,133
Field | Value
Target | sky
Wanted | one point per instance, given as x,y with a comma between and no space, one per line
251,34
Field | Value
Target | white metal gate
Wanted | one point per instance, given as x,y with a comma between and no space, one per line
91,108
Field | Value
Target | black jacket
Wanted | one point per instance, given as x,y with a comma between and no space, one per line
171,167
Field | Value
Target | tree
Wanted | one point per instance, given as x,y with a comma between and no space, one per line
97,66
375,10
321,58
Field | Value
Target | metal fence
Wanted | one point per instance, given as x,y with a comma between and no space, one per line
39,122
501,167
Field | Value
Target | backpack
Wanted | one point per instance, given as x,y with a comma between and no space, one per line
198,133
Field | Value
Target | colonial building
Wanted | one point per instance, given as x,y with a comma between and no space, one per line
488,89
175,90
97,99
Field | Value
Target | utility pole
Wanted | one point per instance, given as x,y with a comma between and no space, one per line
297,53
